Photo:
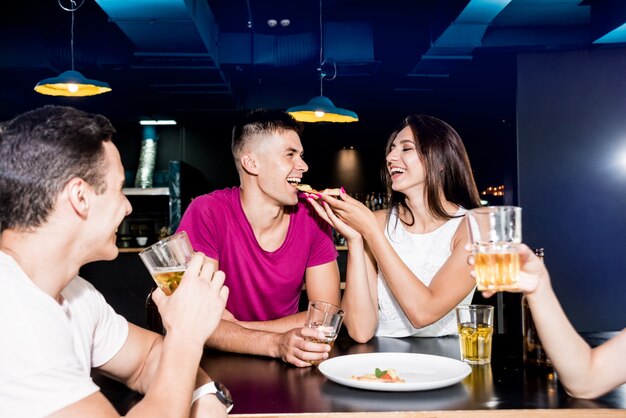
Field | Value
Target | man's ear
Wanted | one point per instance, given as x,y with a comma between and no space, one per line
248,163
78,195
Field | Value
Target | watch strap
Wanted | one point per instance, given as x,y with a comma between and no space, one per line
209,389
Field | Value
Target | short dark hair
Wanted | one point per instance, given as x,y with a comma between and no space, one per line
40,151
446,165
261,122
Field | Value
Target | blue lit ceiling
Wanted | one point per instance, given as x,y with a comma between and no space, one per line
194,57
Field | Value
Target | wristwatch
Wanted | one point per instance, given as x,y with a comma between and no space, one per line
214,388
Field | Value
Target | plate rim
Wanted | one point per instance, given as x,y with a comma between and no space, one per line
401,387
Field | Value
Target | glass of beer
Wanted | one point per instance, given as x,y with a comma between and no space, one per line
325,317
495,233
475,324
167,260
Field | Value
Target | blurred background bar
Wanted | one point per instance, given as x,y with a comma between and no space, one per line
535,89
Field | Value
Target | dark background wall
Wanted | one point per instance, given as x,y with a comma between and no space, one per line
337,154
571,135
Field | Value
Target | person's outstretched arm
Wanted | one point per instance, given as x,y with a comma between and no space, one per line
583,371
290,346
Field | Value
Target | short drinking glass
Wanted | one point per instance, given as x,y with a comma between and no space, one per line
475,324
496,233
167,260
325,317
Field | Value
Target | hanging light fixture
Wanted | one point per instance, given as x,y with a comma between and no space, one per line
321,108
71,83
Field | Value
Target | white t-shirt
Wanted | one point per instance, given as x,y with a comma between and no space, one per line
47,349
423,254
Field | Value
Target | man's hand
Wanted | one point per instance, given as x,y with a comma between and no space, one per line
294,348
195,308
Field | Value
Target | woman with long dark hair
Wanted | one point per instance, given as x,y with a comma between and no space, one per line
407,267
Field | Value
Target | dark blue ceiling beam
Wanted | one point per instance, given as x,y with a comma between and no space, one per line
458,41
608,21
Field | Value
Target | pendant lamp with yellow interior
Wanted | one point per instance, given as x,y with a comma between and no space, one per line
71,83
321,108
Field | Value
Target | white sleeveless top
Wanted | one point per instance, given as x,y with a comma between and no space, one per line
424,254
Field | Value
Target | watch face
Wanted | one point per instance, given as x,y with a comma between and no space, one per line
223,394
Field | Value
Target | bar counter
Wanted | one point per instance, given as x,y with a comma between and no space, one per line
264,387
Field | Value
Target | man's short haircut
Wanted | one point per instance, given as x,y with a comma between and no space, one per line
40,151
258,123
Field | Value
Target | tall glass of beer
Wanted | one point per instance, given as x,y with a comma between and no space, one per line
167,260
495,233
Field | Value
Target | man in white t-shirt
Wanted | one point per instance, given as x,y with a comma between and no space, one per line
61,198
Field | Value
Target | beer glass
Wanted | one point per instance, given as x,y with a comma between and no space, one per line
167,260
495,233
475,324
325,317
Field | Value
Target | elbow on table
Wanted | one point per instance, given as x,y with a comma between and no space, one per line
583,391
422,319
359,334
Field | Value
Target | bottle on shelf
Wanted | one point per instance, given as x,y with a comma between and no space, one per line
533,352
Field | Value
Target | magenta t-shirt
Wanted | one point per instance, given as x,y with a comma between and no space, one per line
263,285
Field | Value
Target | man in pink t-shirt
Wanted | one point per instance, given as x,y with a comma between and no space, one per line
268,242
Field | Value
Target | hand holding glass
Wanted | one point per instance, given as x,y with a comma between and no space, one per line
325,317
496,233
167,260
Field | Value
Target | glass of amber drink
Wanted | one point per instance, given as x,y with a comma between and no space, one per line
475,324
325,317
495,233
167,260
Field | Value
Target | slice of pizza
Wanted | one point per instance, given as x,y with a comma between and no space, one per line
308,189
305,188
383,376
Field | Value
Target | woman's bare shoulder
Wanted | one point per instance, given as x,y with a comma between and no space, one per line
460,236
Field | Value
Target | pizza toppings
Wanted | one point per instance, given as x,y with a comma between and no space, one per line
383,376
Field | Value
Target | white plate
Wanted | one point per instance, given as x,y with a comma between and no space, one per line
420,371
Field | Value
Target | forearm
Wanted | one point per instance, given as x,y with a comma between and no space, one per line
569,353
170,377
231,337
360,296
279,325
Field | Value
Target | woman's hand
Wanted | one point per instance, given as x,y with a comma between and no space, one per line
352,213
532,274
324,210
